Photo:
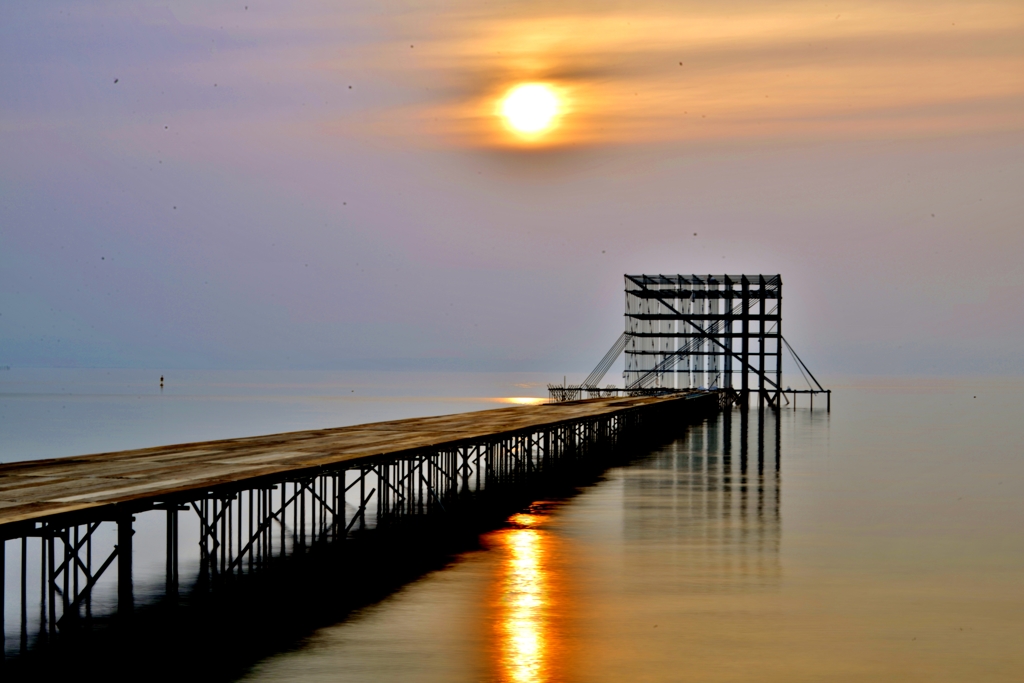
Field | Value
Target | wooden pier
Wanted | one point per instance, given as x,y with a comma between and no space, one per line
261,499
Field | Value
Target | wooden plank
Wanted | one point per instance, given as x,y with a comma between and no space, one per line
37,489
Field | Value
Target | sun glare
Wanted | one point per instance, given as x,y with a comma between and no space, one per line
530,109
523,400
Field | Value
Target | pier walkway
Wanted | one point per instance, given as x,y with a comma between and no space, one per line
36,490
261,499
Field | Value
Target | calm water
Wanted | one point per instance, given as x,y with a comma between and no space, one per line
56,413
881,542
886,545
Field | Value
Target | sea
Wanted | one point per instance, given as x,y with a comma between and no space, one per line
882,540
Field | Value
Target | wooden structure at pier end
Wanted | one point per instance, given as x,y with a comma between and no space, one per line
705,332
700,332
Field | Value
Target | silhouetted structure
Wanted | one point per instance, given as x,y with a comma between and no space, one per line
705,331
699,332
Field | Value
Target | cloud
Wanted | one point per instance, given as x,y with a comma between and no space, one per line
671,73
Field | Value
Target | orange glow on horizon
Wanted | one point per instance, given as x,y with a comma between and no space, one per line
523,400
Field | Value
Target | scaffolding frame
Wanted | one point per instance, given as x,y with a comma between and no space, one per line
705,331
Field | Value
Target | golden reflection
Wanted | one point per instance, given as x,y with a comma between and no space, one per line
524,632
523,400
530,109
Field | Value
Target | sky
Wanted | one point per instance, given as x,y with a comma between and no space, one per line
325,185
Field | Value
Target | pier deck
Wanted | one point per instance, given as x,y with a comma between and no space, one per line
40,489
261,501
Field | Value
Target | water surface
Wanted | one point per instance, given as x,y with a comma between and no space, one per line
52,413
881,542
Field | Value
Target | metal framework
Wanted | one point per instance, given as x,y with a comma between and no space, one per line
705,331
247,526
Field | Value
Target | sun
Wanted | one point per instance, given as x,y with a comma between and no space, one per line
530,109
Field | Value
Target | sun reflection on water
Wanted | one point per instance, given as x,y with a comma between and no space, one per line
524,632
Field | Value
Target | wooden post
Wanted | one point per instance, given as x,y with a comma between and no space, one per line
125,596
3,577
745,340
762,315
778,343
172,551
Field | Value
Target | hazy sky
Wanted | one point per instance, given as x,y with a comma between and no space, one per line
326,184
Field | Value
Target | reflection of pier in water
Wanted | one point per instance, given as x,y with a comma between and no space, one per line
713,495
708,503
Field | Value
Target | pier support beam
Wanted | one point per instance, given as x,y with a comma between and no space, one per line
745,340
3,578
172,553
761,384
125,593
